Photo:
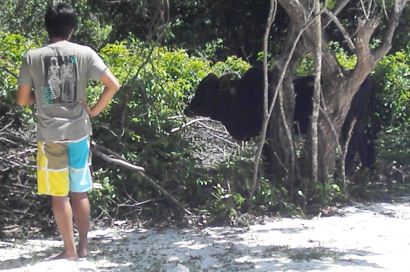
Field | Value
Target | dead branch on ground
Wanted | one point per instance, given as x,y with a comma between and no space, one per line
97,150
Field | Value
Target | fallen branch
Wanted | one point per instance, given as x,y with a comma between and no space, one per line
118,162
139,170
189,123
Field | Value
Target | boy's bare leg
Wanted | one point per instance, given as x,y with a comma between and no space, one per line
64,219
81,210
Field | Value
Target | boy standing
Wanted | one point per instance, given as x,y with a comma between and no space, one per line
59,73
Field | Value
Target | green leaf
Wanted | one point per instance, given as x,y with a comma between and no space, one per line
330,4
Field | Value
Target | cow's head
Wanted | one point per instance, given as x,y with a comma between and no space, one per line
227,86
202,104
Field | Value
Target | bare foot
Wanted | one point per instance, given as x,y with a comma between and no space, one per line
62,255
82,250
82,253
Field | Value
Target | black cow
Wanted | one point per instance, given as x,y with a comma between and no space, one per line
237,104
361,109
364,132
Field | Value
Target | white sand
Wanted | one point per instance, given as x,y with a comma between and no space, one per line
374,237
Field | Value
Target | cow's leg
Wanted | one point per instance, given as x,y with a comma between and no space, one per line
367,149
350,154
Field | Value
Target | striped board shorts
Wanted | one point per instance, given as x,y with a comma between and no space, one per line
63,167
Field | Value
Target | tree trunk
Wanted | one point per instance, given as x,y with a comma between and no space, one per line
316,92
280,157
338,89
280,151
326,151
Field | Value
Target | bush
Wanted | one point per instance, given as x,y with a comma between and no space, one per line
393,112
13,47
144,120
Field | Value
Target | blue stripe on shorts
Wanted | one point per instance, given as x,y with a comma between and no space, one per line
78,163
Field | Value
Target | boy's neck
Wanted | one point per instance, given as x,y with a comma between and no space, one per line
57,39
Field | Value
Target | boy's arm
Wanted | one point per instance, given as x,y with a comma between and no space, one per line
111,87
25,95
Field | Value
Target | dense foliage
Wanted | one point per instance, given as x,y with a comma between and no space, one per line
142,117
393,78
145,122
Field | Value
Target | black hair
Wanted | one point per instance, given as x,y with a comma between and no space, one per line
60,20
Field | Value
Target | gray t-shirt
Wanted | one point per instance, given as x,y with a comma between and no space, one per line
59,74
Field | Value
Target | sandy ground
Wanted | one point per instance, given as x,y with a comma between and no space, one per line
372,237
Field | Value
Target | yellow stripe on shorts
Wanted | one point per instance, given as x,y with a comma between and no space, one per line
52,172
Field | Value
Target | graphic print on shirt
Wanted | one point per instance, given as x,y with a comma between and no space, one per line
61,80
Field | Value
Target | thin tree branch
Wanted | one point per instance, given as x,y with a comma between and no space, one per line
190,123
271,106
344,153
266,116
316,94
366,14
341,28
340,6
140,171
8,71
117,161
156,27
389,32
290,140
